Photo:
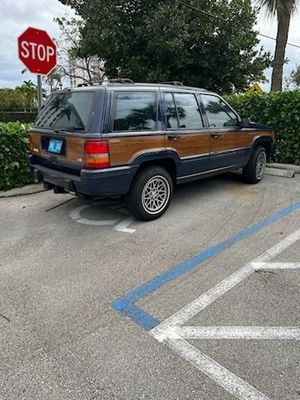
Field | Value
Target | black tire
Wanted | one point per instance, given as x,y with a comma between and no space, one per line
254,170
152,187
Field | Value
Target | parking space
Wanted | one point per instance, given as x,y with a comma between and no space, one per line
176,334
88,295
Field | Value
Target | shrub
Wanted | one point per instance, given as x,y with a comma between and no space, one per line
281,111
14,149
18,116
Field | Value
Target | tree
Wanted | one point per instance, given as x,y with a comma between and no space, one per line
293,80
53,80
295,77
28,94
23,97
283,10
10,100
151,40
75,63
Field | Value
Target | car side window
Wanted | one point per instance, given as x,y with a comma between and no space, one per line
135,111
218,113
182,111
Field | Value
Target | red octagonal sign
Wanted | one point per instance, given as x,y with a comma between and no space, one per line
37,51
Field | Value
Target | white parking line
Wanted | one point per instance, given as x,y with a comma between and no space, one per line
173,334
189,311
229,381
235,332
264,266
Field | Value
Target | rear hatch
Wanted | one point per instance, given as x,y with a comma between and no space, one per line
61,129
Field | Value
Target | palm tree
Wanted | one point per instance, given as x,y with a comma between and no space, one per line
283,9
28,93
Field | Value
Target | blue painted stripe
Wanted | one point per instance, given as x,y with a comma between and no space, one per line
125,303
141,317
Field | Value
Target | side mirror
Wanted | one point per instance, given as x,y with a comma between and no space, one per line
245,123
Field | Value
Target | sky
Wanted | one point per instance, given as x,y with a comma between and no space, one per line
17,15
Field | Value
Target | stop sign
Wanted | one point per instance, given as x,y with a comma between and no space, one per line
37,51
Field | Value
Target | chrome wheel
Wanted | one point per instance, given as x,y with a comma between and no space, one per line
261,165
156,194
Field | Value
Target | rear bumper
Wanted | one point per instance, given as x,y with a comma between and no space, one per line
104,182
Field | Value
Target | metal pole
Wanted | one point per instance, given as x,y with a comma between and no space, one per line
39,87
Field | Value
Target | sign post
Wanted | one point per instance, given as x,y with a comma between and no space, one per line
39,93
38,52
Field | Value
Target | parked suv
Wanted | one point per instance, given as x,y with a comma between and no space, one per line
140,140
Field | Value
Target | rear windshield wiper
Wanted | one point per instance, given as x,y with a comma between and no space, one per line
71,129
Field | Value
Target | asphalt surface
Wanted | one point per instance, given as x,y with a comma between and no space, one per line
64,261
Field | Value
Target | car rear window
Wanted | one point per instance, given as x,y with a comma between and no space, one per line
67,111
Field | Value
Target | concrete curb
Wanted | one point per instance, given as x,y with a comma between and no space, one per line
284,173
291,167
23,191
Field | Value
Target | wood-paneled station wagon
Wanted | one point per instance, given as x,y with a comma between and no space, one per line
140,140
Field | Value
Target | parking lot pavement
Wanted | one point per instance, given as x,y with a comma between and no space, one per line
85,291
174,332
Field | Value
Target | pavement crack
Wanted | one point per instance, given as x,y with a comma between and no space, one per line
58,205
265,272
3,316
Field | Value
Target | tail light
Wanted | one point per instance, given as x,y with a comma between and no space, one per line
96,154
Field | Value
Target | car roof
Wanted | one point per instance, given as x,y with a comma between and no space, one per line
129,86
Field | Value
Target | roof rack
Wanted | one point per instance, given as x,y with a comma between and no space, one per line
127,81
107,82
175,83
117,81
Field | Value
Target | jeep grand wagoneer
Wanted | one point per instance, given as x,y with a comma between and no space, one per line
140,140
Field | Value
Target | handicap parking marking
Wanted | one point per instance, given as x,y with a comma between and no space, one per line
76,216
126,304
123,226
172,332
116,224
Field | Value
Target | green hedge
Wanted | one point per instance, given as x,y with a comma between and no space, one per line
280,111
17,116
14,149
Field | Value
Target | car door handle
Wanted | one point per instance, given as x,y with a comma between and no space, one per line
174,137
215,135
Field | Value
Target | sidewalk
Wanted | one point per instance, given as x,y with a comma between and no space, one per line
23,191
295,168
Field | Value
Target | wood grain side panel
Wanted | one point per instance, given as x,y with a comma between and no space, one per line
74,148
189,145
235,140
230,141
124,150
255,135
